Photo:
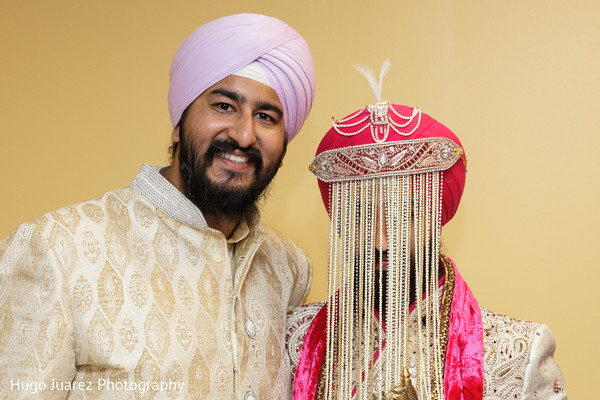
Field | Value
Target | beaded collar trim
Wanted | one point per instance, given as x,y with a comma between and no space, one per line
392,158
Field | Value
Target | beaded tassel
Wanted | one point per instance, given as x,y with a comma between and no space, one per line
364,360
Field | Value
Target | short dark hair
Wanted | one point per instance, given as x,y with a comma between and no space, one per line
174,144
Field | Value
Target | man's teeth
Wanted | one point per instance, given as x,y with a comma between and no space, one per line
234,158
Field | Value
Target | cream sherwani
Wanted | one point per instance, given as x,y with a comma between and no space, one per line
131,295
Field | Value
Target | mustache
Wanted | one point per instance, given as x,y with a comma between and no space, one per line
222,146
379,253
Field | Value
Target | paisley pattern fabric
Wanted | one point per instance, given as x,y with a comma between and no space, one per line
517,356
128,296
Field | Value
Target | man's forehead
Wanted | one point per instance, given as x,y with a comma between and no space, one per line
244,89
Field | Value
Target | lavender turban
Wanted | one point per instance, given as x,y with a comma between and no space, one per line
223,46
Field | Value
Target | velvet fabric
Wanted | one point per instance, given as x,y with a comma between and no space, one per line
223,46
463,372
463,375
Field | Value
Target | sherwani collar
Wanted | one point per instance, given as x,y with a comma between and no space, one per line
167,198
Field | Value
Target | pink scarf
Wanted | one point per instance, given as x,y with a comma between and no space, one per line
463,375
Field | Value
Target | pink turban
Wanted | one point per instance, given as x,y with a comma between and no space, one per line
454,177
223,46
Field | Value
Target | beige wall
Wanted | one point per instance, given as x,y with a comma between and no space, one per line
83,104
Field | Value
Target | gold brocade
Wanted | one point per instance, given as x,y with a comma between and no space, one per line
114,288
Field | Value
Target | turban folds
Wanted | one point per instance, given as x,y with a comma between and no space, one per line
221,47
424,127
390,176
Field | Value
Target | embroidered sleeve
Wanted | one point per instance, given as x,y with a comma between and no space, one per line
36,335
298,322
517,360
305,278
506,350
543,379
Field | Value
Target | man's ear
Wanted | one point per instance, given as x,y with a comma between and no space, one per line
175,134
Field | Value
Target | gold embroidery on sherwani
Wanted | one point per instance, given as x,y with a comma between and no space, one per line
118,214
48,282
68,217
147,370
117,248
129,335
185,293
175,374
52,333
140,249
110,292
82,295
133,294
183,334
163,293
172,224
192,254
91,247
208,288
138,290
6,323
223,379
165,251
157,334
93,212
100,338
63,246
143,214
123,194
24,336
199,377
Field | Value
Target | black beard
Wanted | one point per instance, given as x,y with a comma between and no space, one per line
215,200
380,292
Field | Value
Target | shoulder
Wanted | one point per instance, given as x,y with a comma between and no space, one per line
95,211
274,235
517,357
62,224
277,241
497,326
298,322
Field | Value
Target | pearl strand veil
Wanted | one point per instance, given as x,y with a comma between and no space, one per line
375,336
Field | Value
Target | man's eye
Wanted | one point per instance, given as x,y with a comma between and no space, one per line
224,106
265,117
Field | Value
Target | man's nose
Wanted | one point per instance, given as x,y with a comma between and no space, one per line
381,242
243,131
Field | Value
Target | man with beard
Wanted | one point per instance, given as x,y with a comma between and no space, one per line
401,323
171,287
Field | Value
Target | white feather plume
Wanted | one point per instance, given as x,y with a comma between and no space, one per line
370,75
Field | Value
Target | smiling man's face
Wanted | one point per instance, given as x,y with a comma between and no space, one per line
232,140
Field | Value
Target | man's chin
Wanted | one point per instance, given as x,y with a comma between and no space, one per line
233,187
232,180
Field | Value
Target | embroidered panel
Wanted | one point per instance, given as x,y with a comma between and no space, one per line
392,158
506,348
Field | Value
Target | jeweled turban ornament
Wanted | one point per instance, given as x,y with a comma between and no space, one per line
387,171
